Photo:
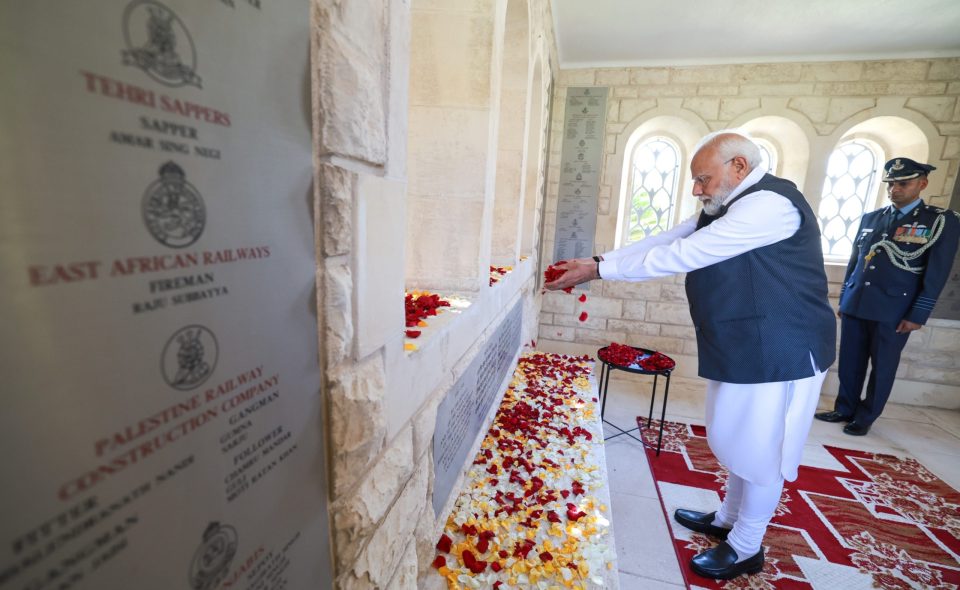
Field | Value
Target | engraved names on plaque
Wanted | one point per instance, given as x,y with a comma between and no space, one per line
580,162
162,382
463,411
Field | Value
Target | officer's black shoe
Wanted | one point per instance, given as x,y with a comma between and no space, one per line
856,429
700,522
833,416
720,563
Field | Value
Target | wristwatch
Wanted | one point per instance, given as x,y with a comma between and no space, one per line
597,259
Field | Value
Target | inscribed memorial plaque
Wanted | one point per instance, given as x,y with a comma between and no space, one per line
461,413
580,162
162,388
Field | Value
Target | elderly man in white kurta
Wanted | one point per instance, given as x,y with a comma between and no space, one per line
765,332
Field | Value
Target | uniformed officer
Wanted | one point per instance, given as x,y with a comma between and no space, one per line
900,263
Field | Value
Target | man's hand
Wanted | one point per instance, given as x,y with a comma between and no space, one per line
578,270
905,327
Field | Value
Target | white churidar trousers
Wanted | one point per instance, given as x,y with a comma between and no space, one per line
757,431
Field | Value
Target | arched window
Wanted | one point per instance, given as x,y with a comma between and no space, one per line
652,188
848,190
768,154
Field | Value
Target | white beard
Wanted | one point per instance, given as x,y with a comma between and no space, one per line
713,205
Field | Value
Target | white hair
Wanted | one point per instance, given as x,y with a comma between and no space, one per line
731,143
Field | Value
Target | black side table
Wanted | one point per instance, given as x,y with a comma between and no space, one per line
609,367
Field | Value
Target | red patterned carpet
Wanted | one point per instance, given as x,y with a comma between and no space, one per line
868,521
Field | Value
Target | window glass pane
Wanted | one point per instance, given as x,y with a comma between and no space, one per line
848,187
653,188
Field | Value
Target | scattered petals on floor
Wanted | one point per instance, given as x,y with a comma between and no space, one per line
528,516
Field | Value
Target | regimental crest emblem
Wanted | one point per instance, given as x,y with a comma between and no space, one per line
897,165
173,209
189,357
159,44
212,559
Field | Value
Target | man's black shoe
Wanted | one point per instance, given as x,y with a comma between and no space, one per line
856,429
720,563
833,416
700,522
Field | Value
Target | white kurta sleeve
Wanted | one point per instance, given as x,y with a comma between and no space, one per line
756,220
682,230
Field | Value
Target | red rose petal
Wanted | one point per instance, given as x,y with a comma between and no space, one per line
583,316
574,514
475,565
445,543
546,556
413,333
583,298
439,562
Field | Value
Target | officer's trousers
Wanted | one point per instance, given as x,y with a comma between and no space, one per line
862,341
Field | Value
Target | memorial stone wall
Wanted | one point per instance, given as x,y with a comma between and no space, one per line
388,407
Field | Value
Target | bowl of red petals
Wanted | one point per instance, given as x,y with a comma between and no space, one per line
630,357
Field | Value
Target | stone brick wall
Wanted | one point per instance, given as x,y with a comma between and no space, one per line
824,101
380,402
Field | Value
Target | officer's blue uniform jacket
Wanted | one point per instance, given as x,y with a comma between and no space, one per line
874,288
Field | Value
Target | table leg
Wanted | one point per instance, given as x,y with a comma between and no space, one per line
653,396
603,370
663,413
606,387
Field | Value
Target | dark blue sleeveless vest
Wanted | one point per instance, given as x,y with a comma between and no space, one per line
760,315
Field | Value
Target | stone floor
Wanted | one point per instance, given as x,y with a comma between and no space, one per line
645,555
